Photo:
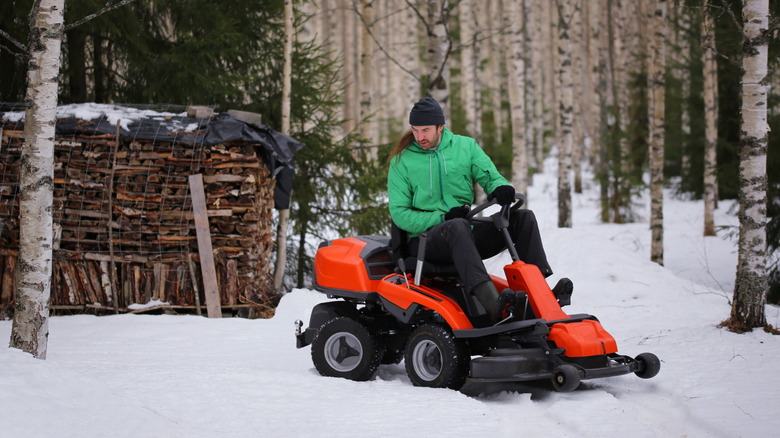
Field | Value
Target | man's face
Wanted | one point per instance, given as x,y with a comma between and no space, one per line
427,136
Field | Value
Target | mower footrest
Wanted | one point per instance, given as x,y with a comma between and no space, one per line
527,364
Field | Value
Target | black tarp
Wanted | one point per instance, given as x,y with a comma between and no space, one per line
276,149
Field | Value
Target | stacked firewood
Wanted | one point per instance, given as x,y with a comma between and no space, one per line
124,229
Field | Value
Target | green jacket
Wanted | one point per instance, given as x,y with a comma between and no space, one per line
424,185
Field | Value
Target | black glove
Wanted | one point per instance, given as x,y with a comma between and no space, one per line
456,212
503,194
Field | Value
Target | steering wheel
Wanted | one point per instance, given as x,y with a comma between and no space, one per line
503,213
500,219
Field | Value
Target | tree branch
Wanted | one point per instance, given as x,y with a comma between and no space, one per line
379,45
108,8
420,16
733,16
25,54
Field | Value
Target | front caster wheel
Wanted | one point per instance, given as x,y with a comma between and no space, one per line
565,378
649,365
345,348
436,359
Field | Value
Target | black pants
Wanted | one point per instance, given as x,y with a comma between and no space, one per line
457,242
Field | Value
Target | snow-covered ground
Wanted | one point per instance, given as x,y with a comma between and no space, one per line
188,376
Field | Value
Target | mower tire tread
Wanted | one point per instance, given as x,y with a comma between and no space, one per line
345,348
435,358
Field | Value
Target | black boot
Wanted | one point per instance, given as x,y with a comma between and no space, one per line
487,295
563,290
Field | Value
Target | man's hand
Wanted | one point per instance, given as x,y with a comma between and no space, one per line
503,194
457,212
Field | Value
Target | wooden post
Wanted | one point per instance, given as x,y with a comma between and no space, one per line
112,271
195,284
207,269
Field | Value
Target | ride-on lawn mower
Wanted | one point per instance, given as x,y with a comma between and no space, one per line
384,314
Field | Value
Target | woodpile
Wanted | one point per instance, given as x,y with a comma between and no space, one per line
124,229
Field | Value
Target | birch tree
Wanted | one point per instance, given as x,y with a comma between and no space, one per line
439,47
366,74
658,75
565,111
747,310
469,55
30,328
684,24
710,117
284,215
514,21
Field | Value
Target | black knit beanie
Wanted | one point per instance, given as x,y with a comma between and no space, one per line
426,112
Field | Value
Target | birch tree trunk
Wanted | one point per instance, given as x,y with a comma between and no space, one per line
30,330
710,118
684,19
284,215
565,110
550,57
580,100
347,48
747,310
658,72
613,155
439,45
493,73
513,35
539,69
367,76
412,32
467,19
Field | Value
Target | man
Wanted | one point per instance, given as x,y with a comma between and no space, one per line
430,186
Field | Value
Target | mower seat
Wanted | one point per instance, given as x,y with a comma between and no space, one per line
399,250
399,253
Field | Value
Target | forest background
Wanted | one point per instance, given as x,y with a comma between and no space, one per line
359,65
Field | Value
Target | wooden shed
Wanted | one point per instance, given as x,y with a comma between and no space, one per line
125,235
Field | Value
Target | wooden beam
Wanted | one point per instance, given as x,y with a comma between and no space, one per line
207,268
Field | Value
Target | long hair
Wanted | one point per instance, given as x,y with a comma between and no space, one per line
406,140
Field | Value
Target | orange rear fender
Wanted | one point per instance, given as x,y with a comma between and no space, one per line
339,266
431,299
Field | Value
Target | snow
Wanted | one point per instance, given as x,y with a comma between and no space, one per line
189,376
112,113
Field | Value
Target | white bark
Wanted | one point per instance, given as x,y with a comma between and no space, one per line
580,102
438,43
549,38
367,75
710,118
565,111
30,329
539,75
657,71
751,283
684,19
513,50
281,229
493,65
467,18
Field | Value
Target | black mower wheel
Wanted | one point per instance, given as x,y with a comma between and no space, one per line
436,359
345,348
565,378
649,365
